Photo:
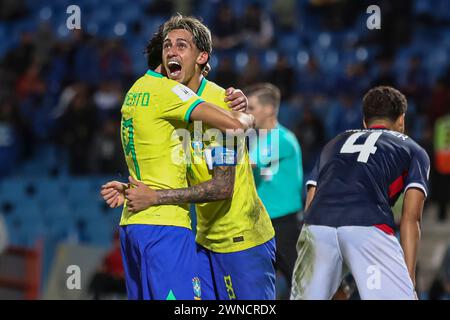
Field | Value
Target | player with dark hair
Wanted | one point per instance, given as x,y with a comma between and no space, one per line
348,221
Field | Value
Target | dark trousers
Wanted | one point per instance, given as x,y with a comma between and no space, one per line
287,229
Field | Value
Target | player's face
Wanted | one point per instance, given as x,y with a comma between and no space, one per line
257,110
180,56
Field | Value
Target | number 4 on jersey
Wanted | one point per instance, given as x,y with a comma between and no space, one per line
364,150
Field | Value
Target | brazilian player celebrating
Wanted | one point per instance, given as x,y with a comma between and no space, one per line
158,247
235,238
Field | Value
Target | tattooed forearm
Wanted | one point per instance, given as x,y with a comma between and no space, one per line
220,187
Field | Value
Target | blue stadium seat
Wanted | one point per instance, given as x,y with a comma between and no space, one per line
16,188
57,210
100,233
23,231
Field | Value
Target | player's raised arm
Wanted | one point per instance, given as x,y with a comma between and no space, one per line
410,227
178,102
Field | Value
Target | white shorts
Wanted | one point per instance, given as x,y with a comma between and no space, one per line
374,258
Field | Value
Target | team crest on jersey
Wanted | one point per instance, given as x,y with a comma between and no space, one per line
197,288
197,147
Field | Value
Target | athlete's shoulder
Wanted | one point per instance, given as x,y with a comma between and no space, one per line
406,141
287,137
418,151
141,81
340,137
213,93
213,87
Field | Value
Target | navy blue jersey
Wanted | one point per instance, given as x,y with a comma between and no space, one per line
361,173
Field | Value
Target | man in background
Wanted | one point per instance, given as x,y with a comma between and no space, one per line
278,174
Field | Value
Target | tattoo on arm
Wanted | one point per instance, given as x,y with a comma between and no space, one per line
220,187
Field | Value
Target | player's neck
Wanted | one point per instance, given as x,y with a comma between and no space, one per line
270,124
380,125
194,83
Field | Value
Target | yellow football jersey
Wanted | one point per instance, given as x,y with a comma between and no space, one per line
235,224
153,109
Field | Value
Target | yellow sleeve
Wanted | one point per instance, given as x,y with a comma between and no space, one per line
178,101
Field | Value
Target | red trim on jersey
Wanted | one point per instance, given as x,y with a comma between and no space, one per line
377,126
397,186
385,228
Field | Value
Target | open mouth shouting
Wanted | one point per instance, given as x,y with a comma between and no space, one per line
174,68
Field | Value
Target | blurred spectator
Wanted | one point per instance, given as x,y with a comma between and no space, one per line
109,282
106,151
108,99
19,59
44,41
65,99
83,58
252,72
415,84
283,76
356,79
115,63
78,124
439,102
385,76
257,27
31,84
226,29
311,134
225,75
57,70
312,79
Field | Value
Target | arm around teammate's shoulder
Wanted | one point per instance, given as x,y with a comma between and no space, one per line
222,119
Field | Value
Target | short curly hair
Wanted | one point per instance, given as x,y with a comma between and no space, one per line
383,102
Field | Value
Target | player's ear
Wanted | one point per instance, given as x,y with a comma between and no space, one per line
202,58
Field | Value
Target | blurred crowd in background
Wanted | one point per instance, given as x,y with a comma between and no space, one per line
61,90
